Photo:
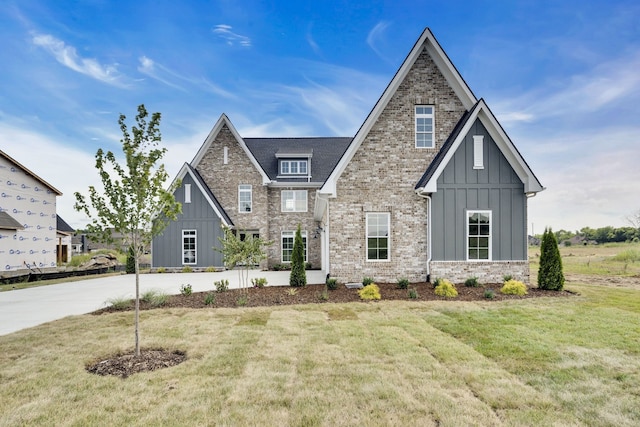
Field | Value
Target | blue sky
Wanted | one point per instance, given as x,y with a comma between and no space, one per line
561,76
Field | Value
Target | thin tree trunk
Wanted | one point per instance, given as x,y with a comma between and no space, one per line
137,310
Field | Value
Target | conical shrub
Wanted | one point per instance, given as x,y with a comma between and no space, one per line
550,275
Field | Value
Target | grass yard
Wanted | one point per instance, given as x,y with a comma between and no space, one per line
537,362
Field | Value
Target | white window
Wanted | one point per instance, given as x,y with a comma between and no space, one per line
187,193
244,198
378,226
424,126
288,238
189,247
479,235
478,151
294,200
293,167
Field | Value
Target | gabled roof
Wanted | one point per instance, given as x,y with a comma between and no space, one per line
62,226
426,41
7,222
428,182
324,152
206,192
224,121
31,174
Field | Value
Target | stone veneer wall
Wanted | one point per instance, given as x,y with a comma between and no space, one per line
288,221
223,180
381,178
485,271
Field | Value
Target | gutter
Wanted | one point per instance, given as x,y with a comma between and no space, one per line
428,198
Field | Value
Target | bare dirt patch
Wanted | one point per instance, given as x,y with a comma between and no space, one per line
123,365
631,282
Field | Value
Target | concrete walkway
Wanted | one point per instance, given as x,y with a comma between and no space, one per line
24,308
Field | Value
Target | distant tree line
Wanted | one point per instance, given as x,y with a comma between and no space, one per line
600,235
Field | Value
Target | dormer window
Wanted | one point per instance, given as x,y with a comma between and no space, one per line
293,167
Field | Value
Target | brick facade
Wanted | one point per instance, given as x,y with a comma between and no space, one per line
381,178
485,271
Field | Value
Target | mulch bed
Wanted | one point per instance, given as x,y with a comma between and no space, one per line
123,365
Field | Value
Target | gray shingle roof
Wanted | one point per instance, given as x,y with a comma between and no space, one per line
7,222
327,152
61,225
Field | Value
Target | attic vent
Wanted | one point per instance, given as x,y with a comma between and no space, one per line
478,151
225,158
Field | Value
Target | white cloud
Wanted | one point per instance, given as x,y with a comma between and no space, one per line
67,56
376,37
148,67
224,32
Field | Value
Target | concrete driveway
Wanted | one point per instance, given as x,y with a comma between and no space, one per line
25,308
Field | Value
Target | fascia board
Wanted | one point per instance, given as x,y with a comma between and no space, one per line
428,40
212,136
31,174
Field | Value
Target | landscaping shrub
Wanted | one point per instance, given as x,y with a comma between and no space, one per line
210,298
367,281
550,274
186,290
506,278
403,283
187,269
446,289
259,282
154,297
130,267
119,303
298,276
221,285
210,269
332,283
514,287
242,300
471,282
489,294
413,294
161,270
436,282
370,292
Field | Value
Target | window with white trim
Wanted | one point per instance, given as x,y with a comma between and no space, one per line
424,126
294,200
378,226
293,167
288,237
244,198
189,251
478,151
478,235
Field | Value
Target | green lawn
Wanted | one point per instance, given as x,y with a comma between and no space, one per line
538,362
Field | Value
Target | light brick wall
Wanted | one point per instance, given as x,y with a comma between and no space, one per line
223,180
485,271
381,178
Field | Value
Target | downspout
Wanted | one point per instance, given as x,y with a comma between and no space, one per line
428,198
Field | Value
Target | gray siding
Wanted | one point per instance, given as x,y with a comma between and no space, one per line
496,188
197,215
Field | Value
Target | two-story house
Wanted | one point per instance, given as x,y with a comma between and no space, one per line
430,186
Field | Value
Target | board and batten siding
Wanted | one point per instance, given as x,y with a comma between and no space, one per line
197,215
496,188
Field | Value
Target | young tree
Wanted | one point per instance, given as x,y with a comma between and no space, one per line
550,274
242,253
298,276
134,202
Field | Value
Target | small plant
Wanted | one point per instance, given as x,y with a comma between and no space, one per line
186,290
119,303
210,299
370,292
446,289
403,283
292,291
514,287
436,282
259,282
161,270
242,300
471,282
366,281
332,283
324,295
221,285
210,269
489,294
413,294
154,297
506,278
187,269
